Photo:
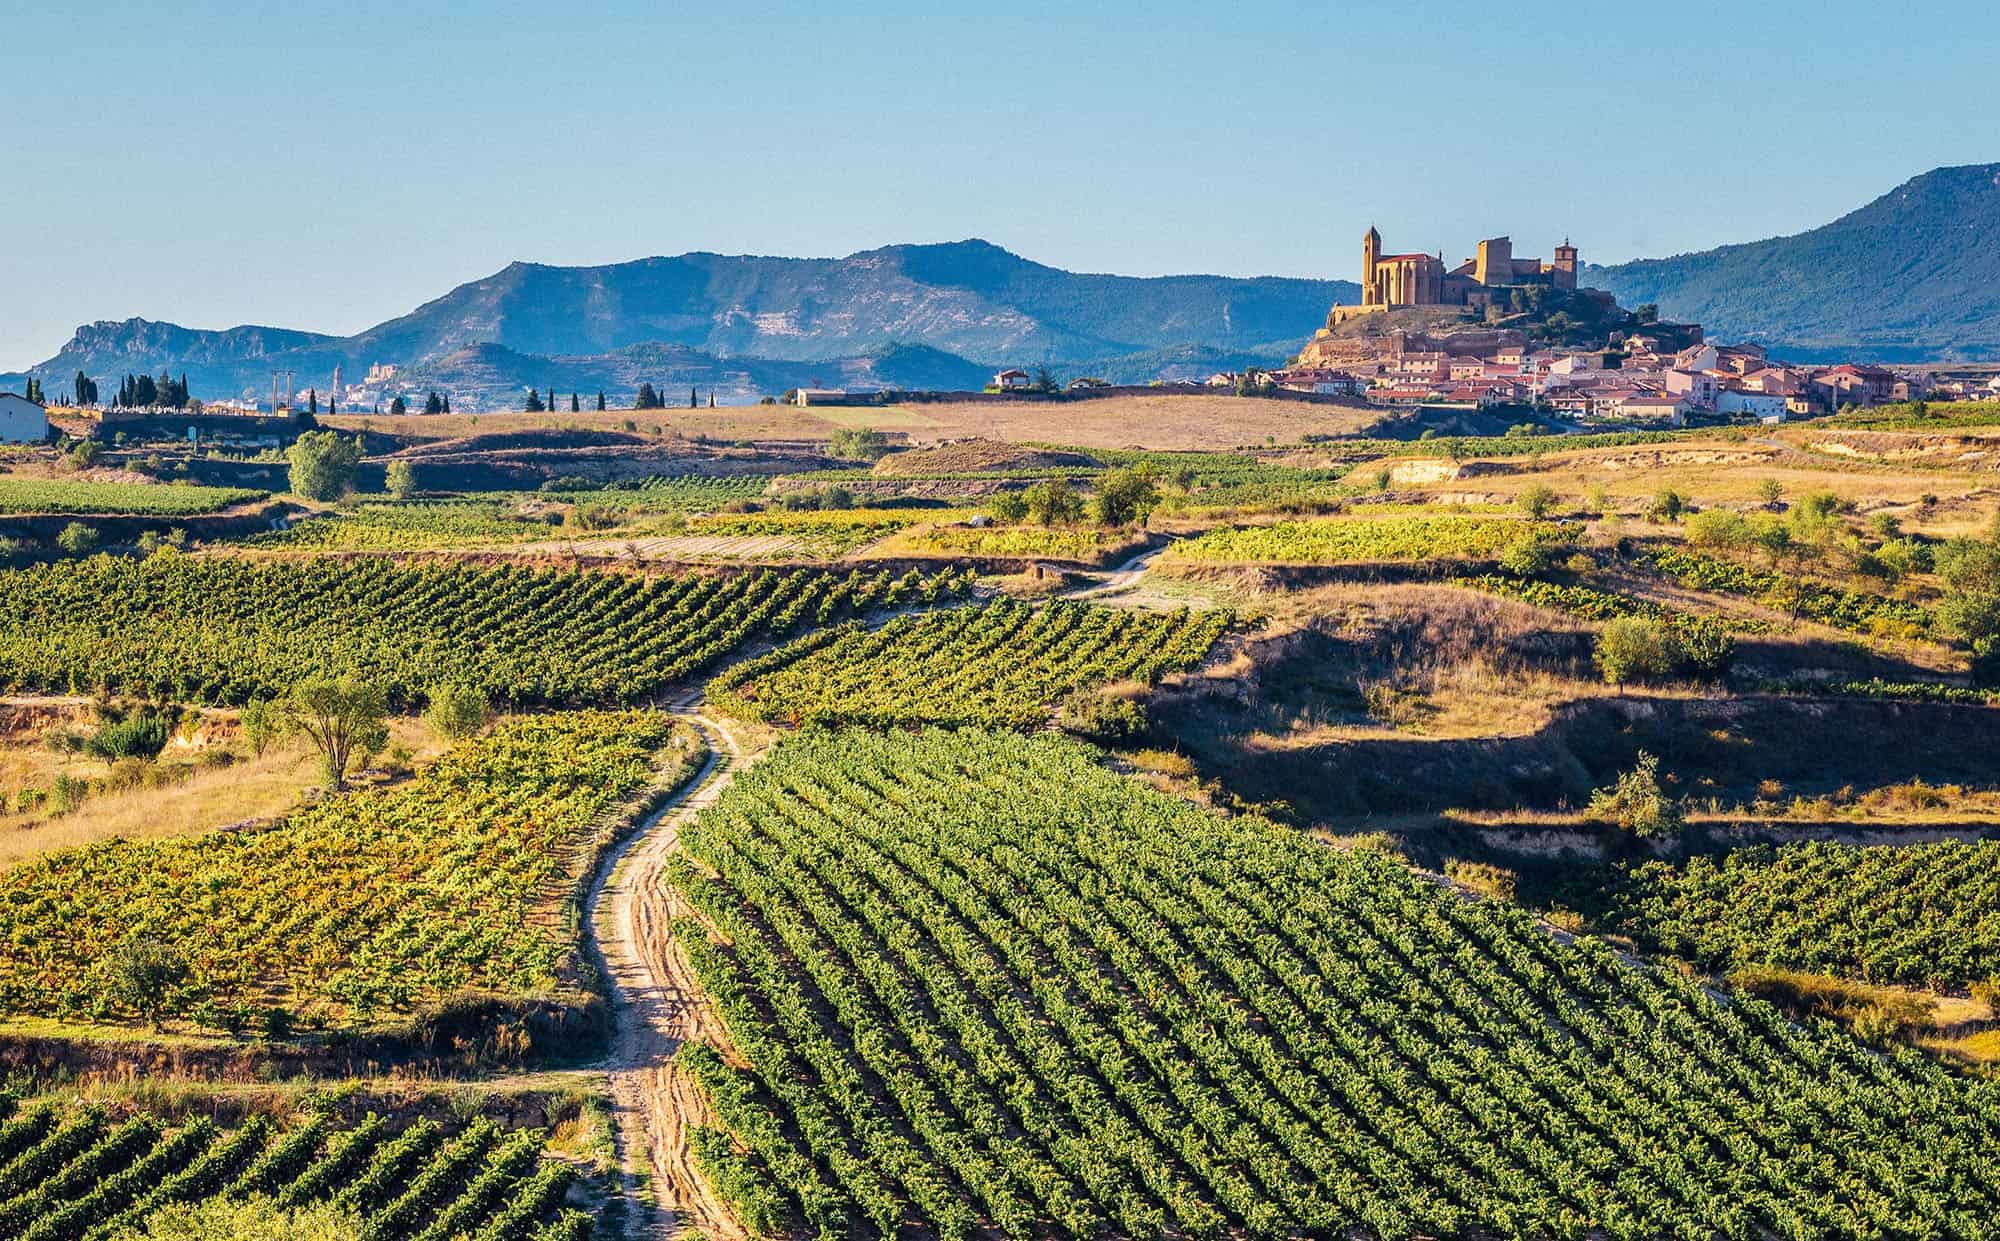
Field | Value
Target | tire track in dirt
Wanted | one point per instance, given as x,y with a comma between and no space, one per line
657,1005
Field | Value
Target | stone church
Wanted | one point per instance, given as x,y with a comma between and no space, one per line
1394,281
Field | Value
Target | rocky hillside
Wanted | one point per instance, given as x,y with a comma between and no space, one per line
1914,275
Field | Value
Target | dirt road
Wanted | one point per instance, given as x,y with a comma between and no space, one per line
657,1006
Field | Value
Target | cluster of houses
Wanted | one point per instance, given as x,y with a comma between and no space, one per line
1636,384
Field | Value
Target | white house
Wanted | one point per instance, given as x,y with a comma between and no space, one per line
1767,406
1011,380
21,420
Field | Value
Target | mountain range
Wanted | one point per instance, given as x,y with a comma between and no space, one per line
1912,276
916,316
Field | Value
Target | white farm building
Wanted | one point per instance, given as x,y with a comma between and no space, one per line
21,420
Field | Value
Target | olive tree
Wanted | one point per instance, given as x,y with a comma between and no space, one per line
340,717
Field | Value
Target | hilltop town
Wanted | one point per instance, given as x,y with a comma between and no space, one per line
1500,331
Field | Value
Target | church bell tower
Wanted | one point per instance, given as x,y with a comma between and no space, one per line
1371,254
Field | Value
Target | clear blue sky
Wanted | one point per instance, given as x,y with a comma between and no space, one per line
327,166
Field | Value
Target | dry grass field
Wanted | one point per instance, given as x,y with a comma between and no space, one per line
178,795
1196,420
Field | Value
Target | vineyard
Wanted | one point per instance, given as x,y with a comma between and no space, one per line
1592,604
227,629
358,907
24,495
986,985
1841,609
1923,914
408,527
72,1173
1003,664
668,493
1089,544
820,533
1338,540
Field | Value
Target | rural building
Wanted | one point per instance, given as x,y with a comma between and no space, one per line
1766,406
1011,381
830,396
22,421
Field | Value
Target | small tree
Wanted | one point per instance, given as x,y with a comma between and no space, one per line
1633,648
1536,501
433,403
398,406
1770,491
1009,508
1126,495
147,977
323,465
1053,502
1637,803
533,405
262,722
858,444
401,479
339,717
77,539
455,711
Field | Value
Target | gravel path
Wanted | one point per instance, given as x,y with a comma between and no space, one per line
657,1006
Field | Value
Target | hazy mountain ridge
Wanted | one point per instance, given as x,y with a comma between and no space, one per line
972,305
1913,275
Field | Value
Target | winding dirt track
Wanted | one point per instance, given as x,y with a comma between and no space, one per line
657,1006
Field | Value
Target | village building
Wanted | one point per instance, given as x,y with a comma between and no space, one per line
1012,380
22,421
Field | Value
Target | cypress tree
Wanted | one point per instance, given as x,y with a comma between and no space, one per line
600,402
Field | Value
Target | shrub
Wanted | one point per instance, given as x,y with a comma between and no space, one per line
1535,552
1537,501
141,735
1632,648
1667,505
401,479
1104,718
77,539
1637,803
455,711
858,444
1053,502
1495,881
1718,529
591,516
147,976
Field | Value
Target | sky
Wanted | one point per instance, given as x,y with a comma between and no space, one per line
328,166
